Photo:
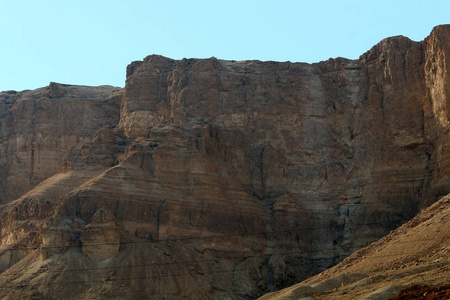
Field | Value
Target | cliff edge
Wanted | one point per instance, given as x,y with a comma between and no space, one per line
206,178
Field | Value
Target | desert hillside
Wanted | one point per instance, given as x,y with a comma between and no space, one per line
214,179
417,253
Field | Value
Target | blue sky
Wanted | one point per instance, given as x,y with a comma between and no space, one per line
91,42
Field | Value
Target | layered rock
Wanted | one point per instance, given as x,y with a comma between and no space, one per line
41,128
100,238
223,179
43,135
417,252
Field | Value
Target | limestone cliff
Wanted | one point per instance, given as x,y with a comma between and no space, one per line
205,178
40,129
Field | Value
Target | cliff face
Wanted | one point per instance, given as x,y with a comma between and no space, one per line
40,129
210,178
416,253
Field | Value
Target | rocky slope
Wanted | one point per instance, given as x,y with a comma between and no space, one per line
417,253
205,178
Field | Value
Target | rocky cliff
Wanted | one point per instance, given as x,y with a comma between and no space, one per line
417,254
205,178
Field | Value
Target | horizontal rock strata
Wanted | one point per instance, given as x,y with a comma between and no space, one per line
219,179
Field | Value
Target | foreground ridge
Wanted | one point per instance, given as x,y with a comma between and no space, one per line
417,253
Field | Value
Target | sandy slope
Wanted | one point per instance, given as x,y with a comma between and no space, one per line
416,253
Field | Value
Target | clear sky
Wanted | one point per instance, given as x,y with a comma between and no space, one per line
90,42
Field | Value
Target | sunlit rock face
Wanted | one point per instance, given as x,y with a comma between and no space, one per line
206,178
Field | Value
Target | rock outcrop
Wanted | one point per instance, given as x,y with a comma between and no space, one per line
417,253
40,129
205,178
101,238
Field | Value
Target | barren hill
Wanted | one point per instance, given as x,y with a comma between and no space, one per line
206,178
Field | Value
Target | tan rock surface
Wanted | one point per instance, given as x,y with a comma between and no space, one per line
101,239
41,128
221,179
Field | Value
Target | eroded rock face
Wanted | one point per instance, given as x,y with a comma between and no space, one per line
41,128
419,250
100,239
223,179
